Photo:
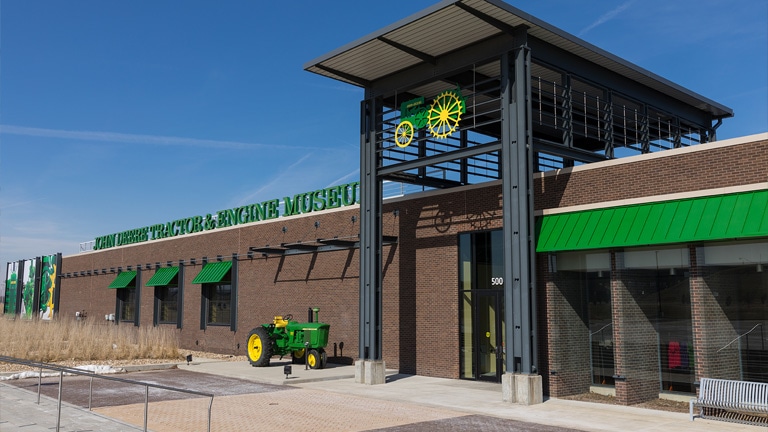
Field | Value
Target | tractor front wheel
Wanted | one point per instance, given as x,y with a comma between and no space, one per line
323,358
259,347
297,356
313,359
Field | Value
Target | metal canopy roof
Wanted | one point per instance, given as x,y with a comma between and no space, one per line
213,272
123,279
454,24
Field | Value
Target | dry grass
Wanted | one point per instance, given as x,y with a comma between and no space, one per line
67,339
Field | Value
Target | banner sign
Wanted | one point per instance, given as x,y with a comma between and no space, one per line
11,287
48,276
321,199
28,289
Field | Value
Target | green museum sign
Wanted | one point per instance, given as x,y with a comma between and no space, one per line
321,199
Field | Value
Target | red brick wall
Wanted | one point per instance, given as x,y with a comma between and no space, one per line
569,333
691,171
636,353
267,286
428,283
713,330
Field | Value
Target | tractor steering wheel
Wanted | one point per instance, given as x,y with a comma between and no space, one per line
287,317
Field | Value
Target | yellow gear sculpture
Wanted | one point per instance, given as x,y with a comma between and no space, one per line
444,114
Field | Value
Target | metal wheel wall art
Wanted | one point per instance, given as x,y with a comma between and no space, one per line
441,118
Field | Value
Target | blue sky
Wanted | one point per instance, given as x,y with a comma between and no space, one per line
118,115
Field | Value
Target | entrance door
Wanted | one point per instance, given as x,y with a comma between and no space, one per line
489,337
481,305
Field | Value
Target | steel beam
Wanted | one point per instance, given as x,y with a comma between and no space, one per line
406,49
553,148
440,158
233,287
370,233
517,172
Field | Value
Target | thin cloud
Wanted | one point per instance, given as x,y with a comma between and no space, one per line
354,174
117,137
607,17
20,203
281,178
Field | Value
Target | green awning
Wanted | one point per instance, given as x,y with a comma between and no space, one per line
163,276
213,272
123,279
721,217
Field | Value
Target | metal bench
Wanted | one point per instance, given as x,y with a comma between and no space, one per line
730,395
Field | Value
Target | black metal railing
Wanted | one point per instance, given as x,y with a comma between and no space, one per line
74,371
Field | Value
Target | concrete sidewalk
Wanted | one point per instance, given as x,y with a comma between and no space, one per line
473,397
329,399
19,411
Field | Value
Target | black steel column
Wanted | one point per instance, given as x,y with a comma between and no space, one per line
234,283
370,234
180,295
516,178
137,300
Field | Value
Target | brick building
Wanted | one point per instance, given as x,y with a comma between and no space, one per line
608,313
567,218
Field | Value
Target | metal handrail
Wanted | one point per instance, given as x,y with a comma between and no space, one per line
740,336
601,329
75,371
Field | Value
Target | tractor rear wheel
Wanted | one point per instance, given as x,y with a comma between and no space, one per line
259,347
313,359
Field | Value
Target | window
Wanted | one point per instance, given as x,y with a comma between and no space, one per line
168,304
127,303
585,280
735,309
659,280
218,300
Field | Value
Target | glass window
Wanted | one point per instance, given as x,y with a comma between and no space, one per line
127,298
168,304
661,279
735,277
586,278
218,297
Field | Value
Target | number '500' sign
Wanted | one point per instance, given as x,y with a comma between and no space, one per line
497,281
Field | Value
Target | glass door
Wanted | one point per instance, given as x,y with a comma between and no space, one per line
489,337
481,303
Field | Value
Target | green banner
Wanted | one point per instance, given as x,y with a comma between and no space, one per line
48,275
11,288
28,290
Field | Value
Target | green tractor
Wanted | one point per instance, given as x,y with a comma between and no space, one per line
284,336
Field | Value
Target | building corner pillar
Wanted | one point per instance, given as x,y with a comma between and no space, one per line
360,371
375,372
523,389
